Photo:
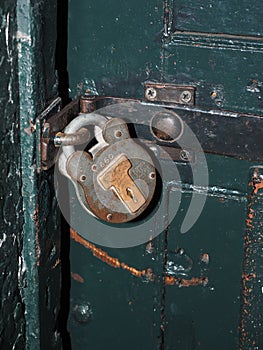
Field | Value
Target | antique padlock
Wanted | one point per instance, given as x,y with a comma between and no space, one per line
115,180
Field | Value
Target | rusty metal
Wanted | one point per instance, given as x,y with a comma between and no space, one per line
50,125
170,93
118,183
78,138
92,103
171,153
167,126
219,132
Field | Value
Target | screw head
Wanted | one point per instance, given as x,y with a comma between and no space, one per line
185,96
150,93
94,167
184,155
83,178
109,217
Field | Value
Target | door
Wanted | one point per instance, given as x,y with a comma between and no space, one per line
202,289
30,218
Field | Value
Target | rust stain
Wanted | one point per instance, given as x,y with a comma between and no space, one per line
250,217
182,282
147,273
205,258
97,252
256,183
258,186
133,271
31,129
249,277
77,277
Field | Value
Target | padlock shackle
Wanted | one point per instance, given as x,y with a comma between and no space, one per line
78,138
84,119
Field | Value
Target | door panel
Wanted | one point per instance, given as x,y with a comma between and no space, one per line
113,49
207,317
226,77
125,309
235,17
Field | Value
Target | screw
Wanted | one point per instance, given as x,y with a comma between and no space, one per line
118,134
150,93
109,217
185,96
184,155
83,178
94,167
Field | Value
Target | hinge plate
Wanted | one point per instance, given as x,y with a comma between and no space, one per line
170,93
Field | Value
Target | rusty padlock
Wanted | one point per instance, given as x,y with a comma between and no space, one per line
115,181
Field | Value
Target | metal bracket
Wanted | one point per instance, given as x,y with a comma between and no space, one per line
170,93
219,132
51,121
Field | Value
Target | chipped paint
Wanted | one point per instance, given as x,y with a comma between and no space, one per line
258,186
77,277
57,263
146,273
182,282
3,240
23,37
251,314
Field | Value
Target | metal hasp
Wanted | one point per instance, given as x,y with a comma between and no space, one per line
219,132
49,124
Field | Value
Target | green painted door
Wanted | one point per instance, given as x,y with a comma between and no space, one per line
202,289
30,218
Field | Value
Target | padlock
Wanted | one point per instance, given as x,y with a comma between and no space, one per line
115,180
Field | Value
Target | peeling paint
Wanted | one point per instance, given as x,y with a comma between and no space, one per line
251,309
77,277
3,240
24,37
147,273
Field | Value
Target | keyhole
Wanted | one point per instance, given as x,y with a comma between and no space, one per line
131,194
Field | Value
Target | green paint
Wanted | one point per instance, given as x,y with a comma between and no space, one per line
235,17
113,49
251,295
12,318
36,77
234,76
